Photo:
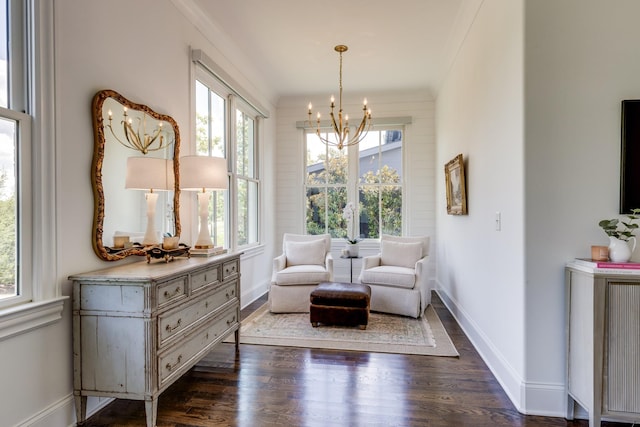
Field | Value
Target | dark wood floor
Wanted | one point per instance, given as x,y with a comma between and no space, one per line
281,386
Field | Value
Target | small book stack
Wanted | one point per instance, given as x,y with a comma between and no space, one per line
588,262
218,250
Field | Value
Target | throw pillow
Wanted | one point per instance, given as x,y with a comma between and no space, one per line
305,253
400,253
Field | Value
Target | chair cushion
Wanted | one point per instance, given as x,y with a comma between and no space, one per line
400,253
389,275
424,240
302,275
305,253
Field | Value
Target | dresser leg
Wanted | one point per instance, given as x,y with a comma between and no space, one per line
81,409
237,337
151,410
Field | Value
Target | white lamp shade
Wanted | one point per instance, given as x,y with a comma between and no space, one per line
198,173
149,173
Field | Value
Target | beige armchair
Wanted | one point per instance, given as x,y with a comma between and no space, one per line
398,276
305,262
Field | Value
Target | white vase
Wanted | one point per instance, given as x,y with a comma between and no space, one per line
353,249
619,250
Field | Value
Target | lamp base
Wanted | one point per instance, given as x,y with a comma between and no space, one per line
151,236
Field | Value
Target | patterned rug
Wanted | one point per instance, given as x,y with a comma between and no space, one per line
385,333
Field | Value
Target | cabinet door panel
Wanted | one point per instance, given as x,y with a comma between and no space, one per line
623,342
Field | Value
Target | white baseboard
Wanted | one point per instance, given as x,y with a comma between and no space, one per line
544,399
250,295
59,413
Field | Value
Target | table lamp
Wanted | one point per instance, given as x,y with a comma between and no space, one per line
202,174
152,174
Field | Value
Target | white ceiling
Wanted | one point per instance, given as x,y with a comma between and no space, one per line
393,44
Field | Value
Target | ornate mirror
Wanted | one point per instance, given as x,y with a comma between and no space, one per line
128,138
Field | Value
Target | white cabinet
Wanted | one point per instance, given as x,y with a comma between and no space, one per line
603,343
138,327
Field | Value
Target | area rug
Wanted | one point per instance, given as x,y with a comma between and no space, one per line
385,333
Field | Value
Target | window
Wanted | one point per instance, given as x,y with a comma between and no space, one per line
211,130
246,179
326,186
380,183
374,180
234,214
15,157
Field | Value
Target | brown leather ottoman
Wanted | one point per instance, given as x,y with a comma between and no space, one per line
344,304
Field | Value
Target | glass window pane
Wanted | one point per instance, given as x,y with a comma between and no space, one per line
217,211
369,197
8,211
337,164
391,206
391,156
252,222
316,155
316,210
245,144
337,201
210,122
243,211
369,157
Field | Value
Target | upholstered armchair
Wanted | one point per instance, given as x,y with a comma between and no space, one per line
305,262
398,276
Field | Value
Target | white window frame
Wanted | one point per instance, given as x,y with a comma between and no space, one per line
209,74
246,109
214,85
353,168
40,302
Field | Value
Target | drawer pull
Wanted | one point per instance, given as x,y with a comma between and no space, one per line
170,367
176,292
170,328
232,321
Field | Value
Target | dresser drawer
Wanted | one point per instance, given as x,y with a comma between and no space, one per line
230,269
183,354
177,322
171,291
203,279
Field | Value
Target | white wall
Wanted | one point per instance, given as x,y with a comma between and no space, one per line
533,102
141,50
419,172
581,62
479,113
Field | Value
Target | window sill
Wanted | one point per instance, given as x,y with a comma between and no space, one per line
251,251
26,317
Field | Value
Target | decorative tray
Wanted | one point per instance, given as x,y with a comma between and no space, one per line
113,250
167,254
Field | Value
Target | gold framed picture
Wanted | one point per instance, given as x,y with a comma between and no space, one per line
456,186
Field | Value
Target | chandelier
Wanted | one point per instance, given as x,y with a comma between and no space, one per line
138,139
341,124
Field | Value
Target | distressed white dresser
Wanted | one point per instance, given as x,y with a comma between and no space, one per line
603,342
138,327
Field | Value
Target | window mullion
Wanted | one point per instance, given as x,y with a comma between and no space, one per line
232,143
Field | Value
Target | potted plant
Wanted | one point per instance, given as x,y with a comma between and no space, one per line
349,214
620,233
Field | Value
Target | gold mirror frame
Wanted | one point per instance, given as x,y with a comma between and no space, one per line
103,252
